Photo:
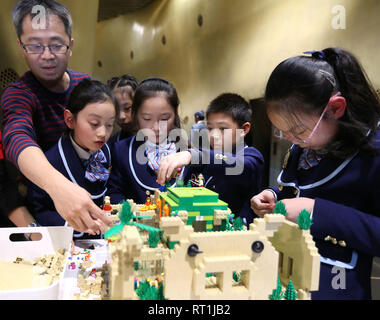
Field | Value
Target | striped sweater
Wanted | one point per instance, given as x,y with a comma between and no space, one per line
33,115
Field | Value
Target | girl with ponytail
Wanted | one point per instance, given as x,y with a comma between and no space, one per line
325,105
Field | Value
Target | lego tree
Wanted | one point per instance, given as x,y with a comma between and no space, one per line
290,293
189,184
227,223
180,184
145,291
154,238
160,294
280,208
277,294
304,221
126,216
238,224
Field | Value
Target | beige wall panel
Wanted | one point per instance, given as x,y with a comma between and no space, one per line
238,45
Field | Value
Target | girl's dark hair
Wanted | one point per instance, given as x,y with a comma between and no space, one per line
306,83
123,81
89,91
152,87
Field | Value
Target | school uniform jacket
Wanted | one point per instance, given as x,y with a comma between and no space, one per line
234,189
131,177
347,209
65,159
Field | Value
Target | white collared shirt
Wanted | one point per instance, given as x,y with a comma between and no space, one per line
83,154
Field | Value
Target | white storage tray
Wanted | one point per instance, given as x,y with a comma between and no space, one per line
53,238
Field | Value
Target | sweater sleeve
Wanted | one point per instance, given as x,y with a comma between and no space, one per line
18,108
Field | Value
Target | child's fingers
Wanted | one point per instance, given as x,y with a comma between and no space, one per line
171,170
261,206
161,174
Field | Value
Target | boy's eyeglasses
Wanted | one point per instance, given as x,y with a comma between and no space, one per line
281,134
39,48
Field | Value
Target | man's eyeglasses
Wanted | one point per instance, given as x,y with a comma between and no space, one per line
281,134
39,48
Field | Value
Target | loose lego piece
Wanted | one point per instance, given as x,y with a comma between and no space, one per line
23,274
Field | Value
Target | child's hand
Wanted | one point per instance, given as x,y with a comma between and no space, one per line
76,206
263,203
170,163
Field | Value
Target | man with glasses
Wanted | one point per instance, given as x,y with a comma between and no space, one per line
33,108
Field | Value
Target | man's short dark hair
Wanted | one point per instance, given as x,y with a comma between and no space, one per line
232,104
25,7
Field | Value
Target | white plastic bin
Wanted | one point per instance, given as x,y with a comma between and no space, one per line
53,238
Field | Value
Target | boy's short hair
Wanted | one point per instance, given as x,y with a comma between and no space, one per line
232,104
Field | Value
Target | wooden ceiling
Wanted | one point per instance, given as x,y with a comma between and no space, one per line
112,8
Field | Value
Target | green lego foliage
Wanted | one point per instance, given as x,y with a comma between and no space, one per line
280,208
147,292
161,292
189,184
223,226
136,265
125,214
180,184
171,244
238,224
236,275
290,293
277,294
304,221
115,230
154,238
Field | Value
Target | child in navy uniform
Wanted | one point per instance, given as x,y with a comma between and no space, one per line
136,159
123,88
229,121
325,105
81,154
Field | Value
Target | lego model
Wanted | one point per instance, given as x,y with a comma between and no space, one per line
198,207
272,259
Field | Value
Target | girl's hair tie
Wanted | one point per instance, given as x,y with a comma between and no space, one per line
317,54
